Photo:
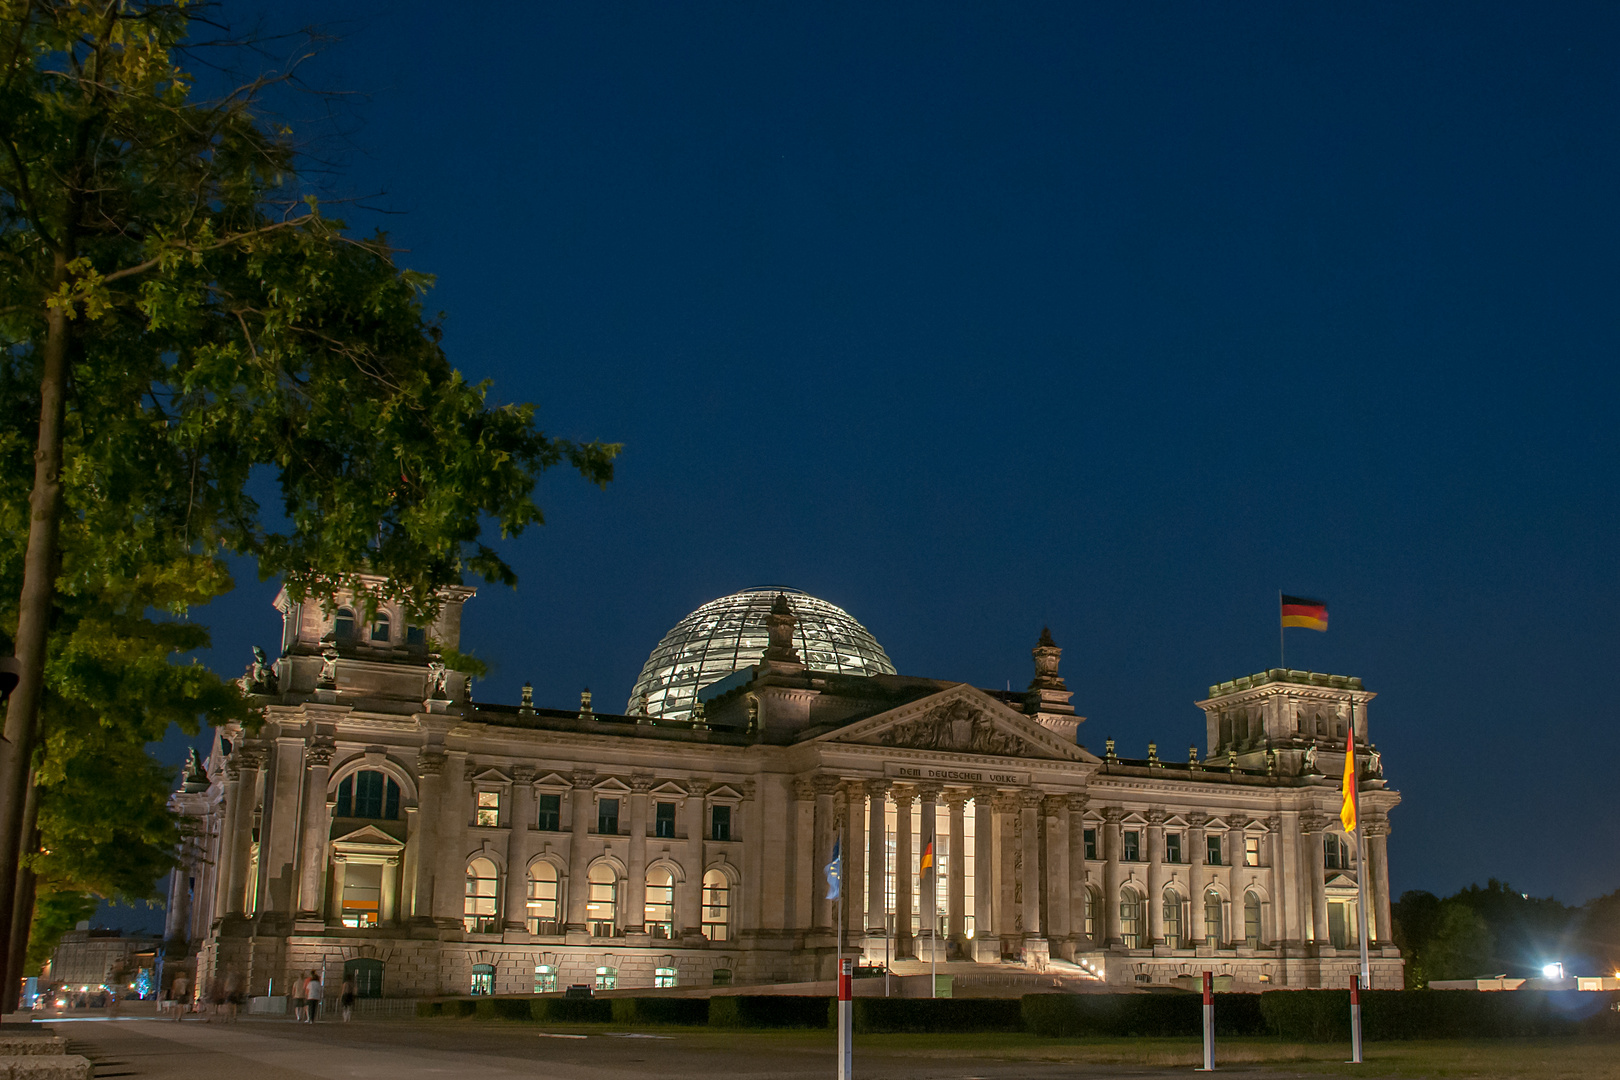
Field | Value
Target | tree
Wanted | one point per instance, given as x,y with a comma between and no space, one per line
1463,947
181,316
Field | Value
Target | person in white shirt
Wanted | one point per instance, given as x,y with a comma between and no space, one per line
312,994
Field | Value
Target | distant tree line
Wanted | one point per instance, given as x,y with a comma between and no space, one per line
1497,930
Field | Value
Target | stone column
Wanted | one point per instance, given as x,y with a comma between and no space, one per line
519,817
278,835
581,805
851,827
1007,857
227,837
635,889
179,907
1270,930
1195,876
804,855
984,875
877,826
903,883
1077,870
425,860
1029,812
455,813
317,827
826,788
1155,876
241,838
340,876
1232,909
1112,840
928,884
689,894
1315,827
387,913
956,876
1056,879
1378,882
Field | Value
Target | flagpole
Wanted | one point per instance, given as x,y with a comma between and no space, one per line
1282,643
933,928
1361,860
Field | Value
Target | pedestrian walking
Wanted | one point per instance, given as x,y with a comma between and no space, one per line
312,993
348,997
300,999
181,992
233,997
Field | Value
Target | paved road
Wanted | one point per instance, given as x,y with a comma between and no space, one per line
404,1050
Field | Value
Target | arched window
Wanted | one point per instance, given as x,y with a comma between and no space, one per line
483,979
602,902
343,625
543,899
1130,919
379,628
479,912
1172,919
368,794
1093,906
1212,919
716,906
1251,920
660,913
1335,853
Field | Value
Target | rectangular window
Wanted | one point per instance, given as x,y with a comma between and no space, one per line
607,978
1133,846
1091,844
545,979
664,978
489,809
1251,851
722,976
607,817
720,823
1172,847
664,820
550,813
368,794
415,635
1212,849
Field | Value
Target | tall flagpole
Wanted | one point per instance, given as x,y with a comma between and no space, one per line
1361,860
1282,644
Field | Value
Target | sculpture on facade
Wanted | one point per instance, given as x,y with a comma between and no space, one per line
438,675
1309,767
260,675
1375,764
328,676
958,726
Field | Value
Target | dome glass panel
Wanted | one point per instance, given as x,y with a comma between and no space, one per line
728,634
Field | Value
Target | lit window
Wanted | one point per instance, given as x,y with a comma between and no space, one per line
1339,923
716,906
660,914
1251,851
362,894
479,909
1336,853
602,901
1093,901
607,978
1133,846
483,979
607,817
664,978
379,629
1172,919
545,979
1212,849
1251,920
489,808
664,820
720,823
1091,843
1130,919
1212,918
368,794
543,899
550,817
1172,847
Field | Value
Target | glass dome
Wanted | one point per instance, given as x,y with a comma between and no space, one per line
728,634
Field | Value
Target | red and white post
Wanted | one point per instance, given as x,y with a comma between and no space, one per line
1355,1020
846,1019
1209,1022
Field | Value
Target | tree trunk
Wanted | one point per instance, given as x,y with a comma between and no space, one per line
34,608
22,916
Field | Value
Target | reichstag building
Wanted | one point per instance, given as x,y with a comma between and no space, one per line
381,824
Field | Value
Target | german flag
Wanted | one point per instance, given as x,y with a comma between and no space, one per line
1303,613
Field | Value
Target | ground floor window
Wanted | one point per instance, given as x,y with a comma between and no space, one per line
607,978
1130,919
545,979
1172,919
1212,918
1339,923
366,976
483,979
722,976
664,978
660,914
716,906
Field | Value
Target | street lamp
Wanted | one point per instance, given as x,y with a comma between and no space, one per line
1554,970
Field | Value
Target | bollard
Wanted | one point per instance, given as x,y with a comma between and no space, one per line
846,1019
1209,1022
1355,1020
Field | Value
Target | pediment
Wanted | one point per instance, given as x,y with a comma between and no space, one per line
726,791
553,780
613,786
1340,881
960,720
491,776
670,789
367,836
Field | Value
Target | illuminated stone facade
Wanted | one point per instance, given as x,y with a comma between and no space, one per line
381,820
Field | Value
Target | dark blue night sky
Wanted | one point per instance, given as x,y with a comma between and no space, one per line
975,318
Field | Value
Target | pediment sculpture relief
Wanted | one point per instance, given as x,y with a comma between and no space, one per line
958,727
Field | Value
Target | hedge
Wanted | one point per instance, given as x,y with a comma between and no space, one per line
556,1010
1133,1015
1324,1015
661,1010
768,1011
876,1014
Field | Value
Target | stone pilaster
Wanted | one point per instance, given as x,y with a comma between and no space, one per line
986,944
877,824
1314,826
317,828
425,858
1077,871
227,837
1197,853
850,825
1155,876
581,807
1055,879
1029,811
903,883
1112,841
520,816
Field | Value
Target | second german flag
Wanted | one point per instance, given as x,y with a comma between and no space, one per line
1303,613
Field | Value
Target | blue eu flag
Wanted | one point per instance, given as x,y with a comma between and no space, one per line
835,870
